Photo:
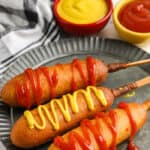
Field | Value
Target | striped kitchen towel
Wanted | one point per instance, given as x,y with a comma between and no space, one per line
24,24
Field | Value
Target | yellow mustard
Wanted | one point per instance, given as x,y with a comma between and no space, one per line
82,11
67,100
129,94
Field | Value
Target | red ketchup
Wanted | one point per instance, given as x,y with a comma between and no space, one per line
85,141
34,78
91,68
131,145
52,79
22,93
136,16
77,65
32,81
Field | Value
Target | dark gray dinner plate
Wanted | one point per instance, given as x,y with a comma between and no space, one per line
108,50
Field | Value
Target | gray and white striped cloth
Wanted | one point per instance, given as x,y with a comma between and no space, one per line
24,24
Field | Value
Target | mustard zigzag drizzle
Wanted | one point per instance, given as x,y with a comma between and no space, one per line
63,105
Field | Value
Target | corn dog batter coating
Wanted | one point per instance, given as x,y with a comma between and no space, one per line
46,121
35,87
106,130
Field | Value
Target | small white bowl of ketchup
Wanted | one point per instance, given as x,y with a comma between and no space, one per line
132,20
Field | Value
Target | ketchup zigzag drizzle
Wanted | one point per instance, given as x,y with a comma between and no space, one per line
52,79
85,142
131,145
32,81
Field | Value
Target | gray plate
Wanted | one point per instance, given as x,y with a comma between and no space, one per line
63,51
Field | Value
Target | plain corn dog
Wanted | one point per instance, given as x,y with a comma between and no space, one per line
107,130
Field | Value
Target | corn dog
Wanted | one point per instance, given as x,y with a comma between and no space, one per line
34,87
107,130
58,116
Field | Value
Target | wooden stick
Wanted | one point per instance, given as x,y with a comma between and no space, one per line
136,63
129,87
143,82
118,66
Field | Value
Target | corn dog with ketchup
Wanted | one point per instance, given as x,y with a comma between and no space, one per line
46,121
106,130
34,87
